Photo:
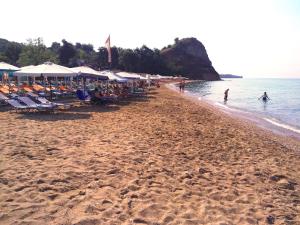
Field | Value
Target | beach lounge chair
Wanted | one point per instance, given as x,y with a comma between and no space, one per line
109,98
44,101
27,89
14,96
4,90
3,99
83,96
137,93
38,88
17,105
40,107
59,105
33,95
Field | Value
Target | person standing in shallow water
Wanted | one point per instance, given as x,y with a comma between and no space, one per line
264,97
226,94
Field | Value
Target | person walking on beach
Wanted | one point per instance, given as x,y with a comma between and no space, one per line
183,85
264,97
226,94
180,86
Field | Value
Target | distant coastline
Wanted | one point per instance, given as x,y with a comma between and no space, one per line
230,76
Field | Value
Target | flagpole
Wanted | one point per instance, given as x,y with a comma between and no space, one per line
107,45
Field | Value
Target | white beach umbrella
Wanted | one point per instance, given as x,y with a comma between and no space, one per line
6,66
112,76
47,69
129,75
86,71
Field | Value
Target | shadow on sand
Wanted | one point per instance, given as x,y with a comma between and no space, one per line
76,113
54,116
83,111
95,108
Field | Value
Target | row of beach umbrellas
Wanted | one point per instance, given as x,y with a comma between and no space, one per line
49,69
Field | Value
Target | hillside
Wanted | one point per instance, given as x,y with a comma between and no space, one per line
189,58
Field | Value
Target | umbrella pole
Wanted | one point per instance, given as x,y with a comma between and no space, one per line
9,86
18,82
106,87
50,91
84,83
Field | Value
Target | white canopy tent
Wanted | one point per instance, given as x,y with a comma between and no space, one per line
84,69
88,72
6,66
158,77
130,75
47,69
112,76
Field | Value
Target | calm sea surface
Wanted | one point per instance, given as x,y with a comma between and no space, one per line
282,110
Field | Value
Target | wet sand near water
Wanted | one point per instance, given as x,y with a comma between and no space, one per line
161,160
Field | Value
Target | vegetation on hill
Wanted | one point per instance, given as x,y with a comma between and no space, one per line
188,56
140,60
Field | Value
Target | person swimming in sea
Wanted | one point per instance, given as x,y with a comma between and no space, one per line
264,97
226,94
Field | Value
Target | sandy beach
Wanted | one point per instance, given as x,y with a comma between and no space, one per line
160,160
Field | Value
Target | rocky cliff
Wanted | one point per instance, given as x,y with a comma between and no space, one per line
189,58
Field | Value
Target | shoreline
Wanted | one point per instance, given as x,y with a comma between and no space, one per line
156,160
265,123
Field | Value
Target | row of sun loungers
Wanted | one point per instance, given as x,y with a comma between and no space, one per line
35,100
25,103
56,91
86,97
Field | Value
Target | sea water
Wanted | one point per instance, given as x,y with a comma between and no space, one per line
283,110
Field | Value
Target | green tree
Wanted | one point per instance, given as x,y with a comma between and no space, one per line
88,48
35,52
13,52
102,58
3,58
66,53
85,55
55,47
128,60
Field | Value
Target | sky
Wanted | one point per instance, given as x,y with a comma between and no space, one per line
254,38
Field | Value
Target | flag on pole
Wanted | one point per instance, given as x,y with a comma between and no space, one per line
107,45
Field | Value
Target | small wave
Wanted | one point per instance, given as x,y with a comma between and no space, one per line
285,126
223,106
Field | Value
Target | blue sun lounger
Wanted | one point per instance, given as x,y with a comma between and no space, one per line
17,105
40,107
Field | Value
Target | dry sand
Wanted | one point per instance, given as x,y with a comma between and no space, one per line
161,160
